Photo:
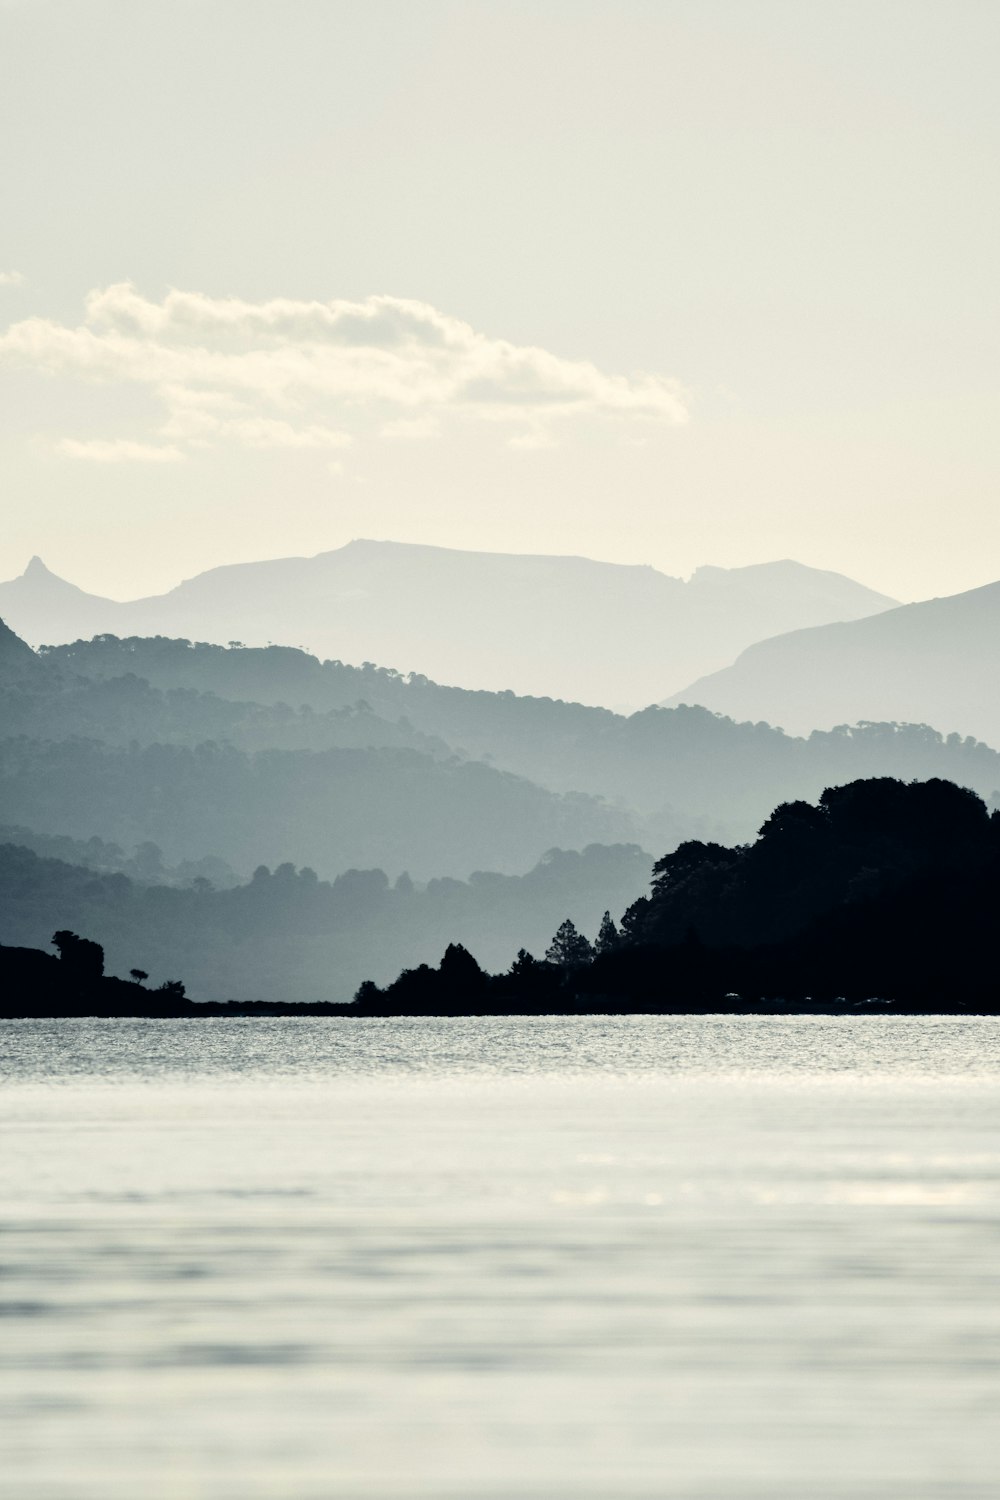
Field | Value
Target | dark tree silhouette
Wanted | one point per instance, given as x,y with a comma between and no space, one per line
524,966
459,971
885,889
171,988
608,939
139,975
569,949
83,958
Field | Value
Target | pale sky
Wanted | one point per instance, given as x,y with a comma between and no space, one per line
665,281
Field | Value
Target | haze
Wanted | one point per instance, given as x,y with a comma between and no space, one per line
672,284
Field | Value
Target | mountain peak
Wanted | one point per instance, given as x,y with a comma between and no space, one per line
37,569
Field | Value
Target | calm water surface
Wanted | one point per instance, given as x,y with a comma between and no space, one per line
684,1258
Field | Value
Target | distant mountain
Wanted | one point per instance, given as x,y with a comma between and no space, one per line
565,627
40,606
935,662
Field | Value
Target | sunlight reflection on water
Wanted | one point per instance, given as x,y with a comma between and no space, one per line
712,1258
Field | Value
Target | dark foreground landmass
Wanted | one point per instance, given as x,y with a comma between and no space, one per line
33,987
884,894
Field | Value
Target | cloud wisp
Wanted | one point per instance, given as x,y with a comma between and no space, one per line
293,374
12,278
118,451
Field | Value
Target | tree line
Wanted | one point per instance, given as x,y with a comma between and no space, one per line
881,892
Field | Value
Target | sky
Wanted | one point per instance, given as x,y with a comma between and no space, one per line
652,281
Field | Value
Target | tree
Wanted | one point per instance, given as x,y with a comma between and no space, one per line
173,988
688,858
525,965
609,938
138,975
83,958
569,949
460,973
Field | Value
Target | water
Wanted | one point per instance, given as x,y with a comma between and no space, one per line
695,1258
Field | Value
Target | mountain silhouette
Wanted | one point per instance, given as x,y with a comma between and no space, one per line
566,627
41,606
935,662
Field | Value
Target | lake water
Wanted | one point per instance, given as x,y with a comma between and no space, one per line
594,1259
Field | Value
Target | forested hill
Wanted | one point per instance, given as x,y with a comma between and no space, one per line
333,810
702,770
882,893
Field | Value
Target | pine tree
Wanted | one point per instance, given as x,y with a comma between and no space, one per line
609,938
524,966
569,949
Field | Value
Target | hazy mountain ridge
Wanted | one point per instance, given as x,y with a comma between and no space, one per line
937,661
562,626
128,709
331,809
144,864
682,771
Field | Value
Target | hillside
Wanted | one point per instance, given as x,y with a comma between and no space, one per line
567,627
680,772
936,662
333,810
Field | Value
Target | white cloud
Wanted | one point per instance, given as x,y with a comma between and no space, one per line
12,278
411,428
118,451
269,374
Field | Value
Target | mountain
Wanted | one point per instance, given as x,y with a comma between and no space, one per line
674,772
563,627
41,607
17,660
936,662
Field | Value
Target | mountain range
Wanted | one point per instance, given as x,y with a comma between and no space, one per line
562,627
248,816
935,662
